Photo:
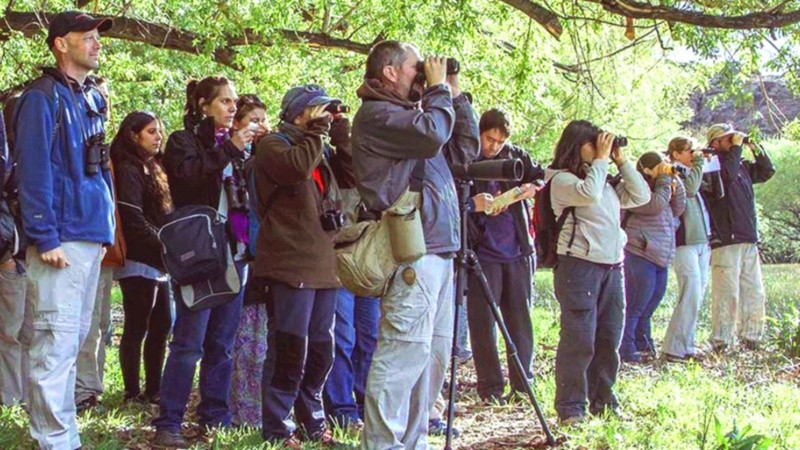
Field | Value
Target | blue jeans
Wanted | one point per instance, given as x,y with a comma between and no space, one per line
645,285
356,333
206,334
299,357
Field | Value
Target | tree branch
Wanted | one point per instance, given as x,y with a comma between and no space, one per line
546,18
164,36
639,10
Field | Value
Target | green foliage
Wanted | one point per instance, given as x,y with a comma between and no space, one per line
508,61
739,439
784,331
779,205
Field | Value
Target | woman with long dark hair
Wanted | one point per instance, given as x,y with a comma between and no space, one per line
144,199
588,277
195,160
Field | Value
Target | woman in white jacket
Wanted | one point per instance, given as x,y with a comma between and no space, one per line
588,277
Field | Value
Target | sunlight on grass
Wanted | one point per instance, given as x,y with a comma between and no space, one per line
669,406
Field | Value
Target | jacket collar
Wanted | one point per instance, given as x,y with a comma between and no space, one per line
66,80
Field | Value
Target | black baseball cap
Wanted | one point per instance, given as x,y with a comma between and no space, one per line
69,21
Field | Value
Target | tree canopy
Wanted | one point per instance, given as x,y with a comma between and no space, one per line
544,61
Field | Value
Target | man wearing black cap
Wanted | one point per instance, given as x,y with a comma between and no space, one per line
67,214
300,209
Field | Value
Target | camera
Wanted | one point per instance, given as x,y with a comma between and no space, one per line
709,151
337,108
332,220
453,67
97,154
677,170
619,141
235,193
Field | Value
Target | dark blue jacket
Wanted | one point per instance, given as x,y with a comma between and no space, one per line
733,217
389,136
531,171
58,200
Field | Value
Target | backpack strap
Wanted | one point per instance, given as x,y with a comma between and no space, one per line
562,219
417,180
625,217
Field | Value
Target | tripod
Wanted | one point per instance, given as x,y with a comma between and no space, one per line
467,263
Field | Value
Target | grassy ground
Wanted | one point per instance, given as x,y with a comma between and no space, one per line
669,406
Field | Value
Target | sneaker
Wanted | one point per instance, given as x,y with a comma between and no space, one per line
86,404
670,358
289,443
719,348
516,398
749,344
695,357
324,438
571,421
346,422
166,438
647,356
494,400
438,427
463,355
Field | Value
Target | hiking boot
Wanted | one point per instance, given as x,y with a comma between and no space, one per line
86,404
438,427
170,439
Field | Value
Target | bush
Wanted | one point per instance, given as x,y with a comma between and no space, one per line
779,205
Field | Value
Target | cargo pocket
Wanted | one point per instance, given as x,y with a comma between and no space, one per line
574,285
406,307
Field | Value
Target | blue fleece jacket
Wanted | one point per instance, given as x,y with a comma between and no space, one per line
58,200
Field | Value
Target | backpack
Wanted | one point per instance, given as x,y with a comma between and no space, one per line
194,244
12,237
547,228
365,255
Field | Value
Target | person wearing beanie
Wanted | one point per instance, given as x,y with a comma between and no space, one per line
648,253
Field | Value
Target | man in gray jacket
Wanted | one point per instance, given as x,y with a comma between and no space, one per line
391,133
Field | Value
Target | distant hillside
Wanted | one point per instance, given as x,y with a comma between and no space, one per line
784,106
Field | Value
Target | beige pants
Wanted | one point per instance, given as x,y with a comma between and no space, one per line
409,365
737,294
92,356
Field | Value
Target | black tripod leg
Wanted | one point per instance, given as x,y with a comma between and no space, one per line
512,349
461,283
